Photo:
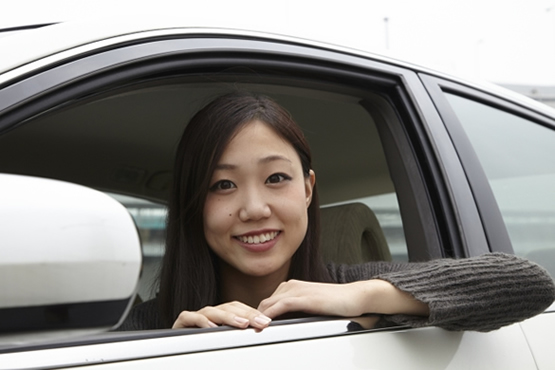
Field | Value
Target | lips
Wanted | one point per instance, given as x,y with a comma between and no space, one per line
258,238
258,241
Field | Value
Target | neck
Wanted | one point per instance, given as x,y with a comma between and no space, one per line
236,286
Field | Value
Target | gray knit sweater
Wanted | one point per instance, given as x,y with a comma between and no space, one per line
481,293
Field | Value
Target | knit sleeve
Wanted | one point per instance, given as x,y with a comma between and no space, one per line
480,293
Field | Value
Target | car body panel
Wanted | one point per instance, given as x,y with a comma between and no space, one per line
325,344
540,338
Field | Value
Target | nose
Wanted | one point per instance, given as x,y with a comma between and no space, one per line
254,206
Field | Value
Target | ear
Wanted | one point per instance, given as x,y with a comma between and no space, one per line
309,181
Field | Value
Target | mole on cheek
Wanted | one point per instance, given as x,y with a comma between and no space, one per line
230,215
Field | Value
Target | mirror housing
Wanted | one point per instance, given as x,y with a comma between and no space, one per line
70,257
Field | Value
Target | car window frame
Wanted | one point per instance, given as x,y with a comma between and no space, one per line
416,168
490,214
77,77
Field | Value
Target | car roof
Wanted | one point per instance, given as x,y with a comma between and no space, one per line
51,43
41,42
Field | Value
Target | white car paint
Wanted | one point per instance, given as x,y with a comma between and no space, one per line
65,242
282,347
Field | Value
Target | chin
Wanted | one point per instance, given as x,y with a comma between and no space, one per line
260,271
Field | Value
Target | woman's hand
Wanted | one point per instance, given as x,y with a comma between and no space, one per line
347,300
234,314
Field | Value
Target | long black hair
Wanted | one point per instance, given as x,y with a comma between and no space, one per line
189,278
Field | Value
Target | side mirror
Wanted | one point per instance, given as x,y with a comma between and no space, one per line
70,257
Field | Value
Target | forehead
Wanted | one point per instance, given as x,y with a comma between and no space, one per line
257,138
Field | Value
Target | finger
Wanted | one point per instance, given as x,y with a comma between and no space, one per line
236,314
209,317
246,314
285,290
187,319
277,306
225,315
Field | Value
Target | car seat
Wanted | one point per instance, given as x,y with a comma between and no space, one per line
350,233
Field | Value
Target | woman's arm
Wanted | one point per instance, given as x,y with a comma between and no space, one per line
348,300
481,293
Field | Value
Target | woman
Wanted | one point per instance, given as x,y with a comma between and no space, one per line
242,243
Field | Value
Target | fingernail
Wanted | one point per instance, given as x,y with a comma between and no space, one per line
213,325
241,320
262,320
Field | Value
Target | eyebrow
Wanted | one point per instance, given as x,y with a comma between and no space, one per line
264,160
272,158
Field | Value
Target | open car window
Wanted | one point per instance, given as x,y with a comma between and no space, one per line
116,130
354,184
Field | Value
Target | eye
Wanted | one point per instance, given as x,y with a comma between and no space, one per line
222,185
276,178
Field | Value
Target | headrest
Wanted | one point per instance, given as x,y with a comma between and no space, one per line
351,233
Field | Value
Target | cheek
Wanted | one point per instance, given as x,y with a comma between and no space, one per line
294,206
216,218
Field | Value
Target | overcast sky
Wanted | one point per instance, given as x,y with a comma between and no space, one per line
502,41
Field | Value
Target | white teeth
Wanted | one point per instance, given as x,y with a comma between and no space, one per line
262,238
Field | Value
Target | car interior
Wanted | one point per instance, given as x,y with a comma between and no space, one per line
122,141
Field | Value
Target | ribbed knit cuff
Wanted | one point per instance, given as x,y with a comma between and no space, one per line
481,293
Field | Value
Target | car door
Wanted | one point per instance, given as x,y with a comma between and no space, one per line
87,115
507,151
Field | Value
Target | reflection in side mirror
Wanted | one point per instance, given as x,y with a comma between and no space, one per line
70,257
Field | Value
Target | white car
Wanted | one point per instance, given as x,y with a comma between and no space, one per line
424,165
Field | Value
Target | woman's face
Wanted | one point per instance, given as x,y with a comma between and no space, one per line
255,215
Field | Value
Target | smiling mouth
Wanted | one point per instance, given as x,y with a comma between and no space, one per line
256,239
